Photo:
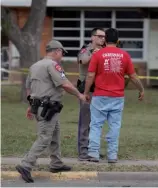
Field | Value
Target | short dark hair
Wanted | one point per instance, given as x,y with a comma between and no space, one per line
111,35
93,32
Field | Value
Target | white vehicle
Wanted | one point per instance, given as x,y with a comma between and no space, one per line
4,63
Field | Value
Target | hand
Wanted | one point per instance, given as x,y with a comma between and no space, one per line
141,96
88,97
82,97
29,114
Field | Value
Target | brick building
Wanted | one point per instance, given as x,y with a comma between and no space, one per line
70,21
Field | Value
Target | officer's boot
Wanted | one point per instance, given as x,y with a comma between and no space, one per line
25,174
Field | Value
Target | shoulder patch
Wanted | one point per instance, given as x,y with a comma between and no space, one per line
83,50
58,68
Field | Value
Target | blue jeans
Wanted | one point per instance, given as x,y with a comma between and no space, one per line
105,109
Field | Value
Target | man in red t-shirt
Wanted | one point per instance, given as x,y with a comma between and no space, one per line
108,68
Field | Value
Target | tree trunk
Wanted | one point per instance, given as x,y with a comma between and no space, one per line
26,39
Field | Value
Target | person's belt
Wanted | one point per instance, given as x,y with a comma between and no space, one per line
49,108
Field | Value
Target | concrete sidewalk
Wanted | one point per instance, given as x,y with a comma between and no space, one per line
84,175
45,161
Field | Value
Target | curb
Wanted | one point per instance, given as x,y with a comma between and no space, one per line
55,176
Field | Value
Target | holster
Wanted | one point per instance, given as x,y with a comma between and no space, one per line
50,109
81,86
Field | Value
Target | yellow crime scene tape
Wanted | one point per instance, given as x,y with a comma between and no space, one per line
25,71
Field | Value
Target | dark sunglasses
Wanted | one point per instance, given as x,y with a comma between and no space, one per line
100,36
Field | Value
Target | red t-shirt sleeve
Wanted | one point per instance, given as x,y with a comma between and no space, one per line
93,64
130,67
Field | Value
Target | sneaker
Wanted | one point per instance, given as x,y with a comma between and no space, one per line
25,174
112,161
64,168
83,158
93,159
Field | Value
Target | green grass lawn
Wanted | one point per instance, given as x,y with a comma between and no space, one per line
139,133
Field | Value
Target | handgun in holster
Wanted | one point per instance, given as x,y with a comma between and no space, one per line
45,104
54,108
81,86
50,109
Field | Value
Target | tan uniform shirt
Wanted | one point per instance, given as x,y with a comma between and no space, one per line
84,55
45,79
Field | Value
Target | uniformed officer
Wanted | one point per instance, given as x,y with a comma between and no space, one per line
84,56
45,86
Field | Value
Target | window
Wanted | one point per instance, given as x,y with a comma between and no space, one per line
70,43
130,26
66,14
92,24
128,14
130,34
154,13
66,23
67,33
98,14
94,19
131,44
66,29
73,29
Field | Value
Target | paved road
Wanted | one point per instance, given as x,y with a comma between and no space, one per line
104,179
78,183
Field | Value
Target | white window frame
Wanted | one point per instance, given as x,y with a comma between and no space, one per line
113,20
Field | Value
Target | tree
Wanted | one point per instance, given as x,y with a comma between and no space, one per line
26,39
